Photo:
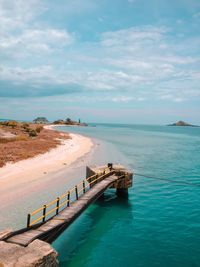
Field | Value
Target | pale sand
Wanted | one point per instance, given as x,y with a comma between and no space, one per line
21,174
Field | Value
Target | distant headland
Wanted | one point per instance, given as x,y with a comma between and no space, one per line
68,121
182,123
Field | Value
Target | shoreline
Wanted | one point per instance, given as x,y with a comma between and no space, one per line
19,178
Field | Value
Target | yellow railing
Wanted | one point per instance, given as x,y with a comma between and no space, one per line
52,208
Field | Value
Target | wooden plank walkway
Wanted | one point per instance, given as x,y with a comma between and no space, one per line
51,229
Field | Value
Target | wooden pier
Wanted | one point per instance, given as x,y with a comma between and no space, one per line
49,221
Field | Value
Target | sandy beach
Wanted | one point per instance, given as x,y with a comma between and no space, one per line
17,178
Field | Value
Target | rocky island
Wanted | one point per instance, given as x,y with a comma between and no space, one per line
182,123
70,122
41,120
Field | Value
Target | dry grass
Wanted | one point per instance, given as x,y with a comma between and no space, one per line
24,146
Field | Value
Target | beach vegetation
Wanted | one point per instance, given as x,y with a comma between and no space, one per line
59,122
39,128
3,123
4,140
26,140
68,121
12,124
25,125
32,133
21,137
27,129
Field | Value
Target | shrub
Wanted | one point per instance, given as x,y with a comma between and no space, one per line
39,129
12,124
21,138
4,123
4,140
25,125
32,133
28,130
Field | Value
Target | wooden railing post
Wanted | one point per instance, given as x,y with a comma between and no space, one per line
57,205
68,198
84,187
76,189
110,166
44,213
28,220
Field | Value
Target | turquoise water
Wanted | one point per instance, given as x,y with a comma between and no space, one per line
159,224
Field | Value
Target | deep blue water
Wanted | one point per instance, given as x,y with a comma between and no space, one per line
159,224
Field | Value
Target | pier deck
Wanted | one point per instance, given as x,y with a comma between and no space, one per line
48,229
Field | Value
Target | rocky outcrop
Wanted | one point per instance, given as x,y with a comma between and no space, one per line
70,122
37,254
182,123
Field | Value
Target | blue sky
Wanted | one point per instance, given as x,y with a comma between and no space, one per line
132,61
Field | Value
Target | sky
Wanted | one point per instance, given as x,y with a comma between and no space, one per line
126,61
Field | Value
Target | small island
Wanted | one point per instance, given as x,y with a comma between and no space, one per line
70,122
41,120
182,123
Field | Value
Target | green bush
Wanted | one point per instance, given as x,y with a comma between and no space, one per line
39,129
28,130
12,124
25,125
4,123
32,133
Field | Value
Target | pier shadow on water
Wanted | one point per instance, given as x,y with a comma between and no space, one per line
78,243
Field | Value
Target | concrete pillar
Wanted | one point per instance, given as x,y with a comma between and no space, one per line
122,192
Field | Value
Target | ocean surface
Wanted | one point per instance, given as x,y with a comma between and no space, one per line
159,223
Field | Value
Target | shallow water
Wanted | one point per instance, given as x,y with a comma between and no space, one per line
159,224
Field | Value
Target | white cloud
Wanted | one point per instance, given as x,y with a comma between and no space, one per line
21,35
34,42
147,34
19,74
123,99
178,99
51,36
141,61
16,14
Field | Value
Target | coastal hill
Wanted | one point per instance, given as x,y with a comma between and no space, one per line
182,123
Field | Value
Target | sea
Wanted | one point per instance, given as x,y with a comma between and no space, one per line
158,225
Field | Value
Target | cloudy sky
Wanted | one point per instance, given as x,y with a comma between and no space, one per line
132,61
